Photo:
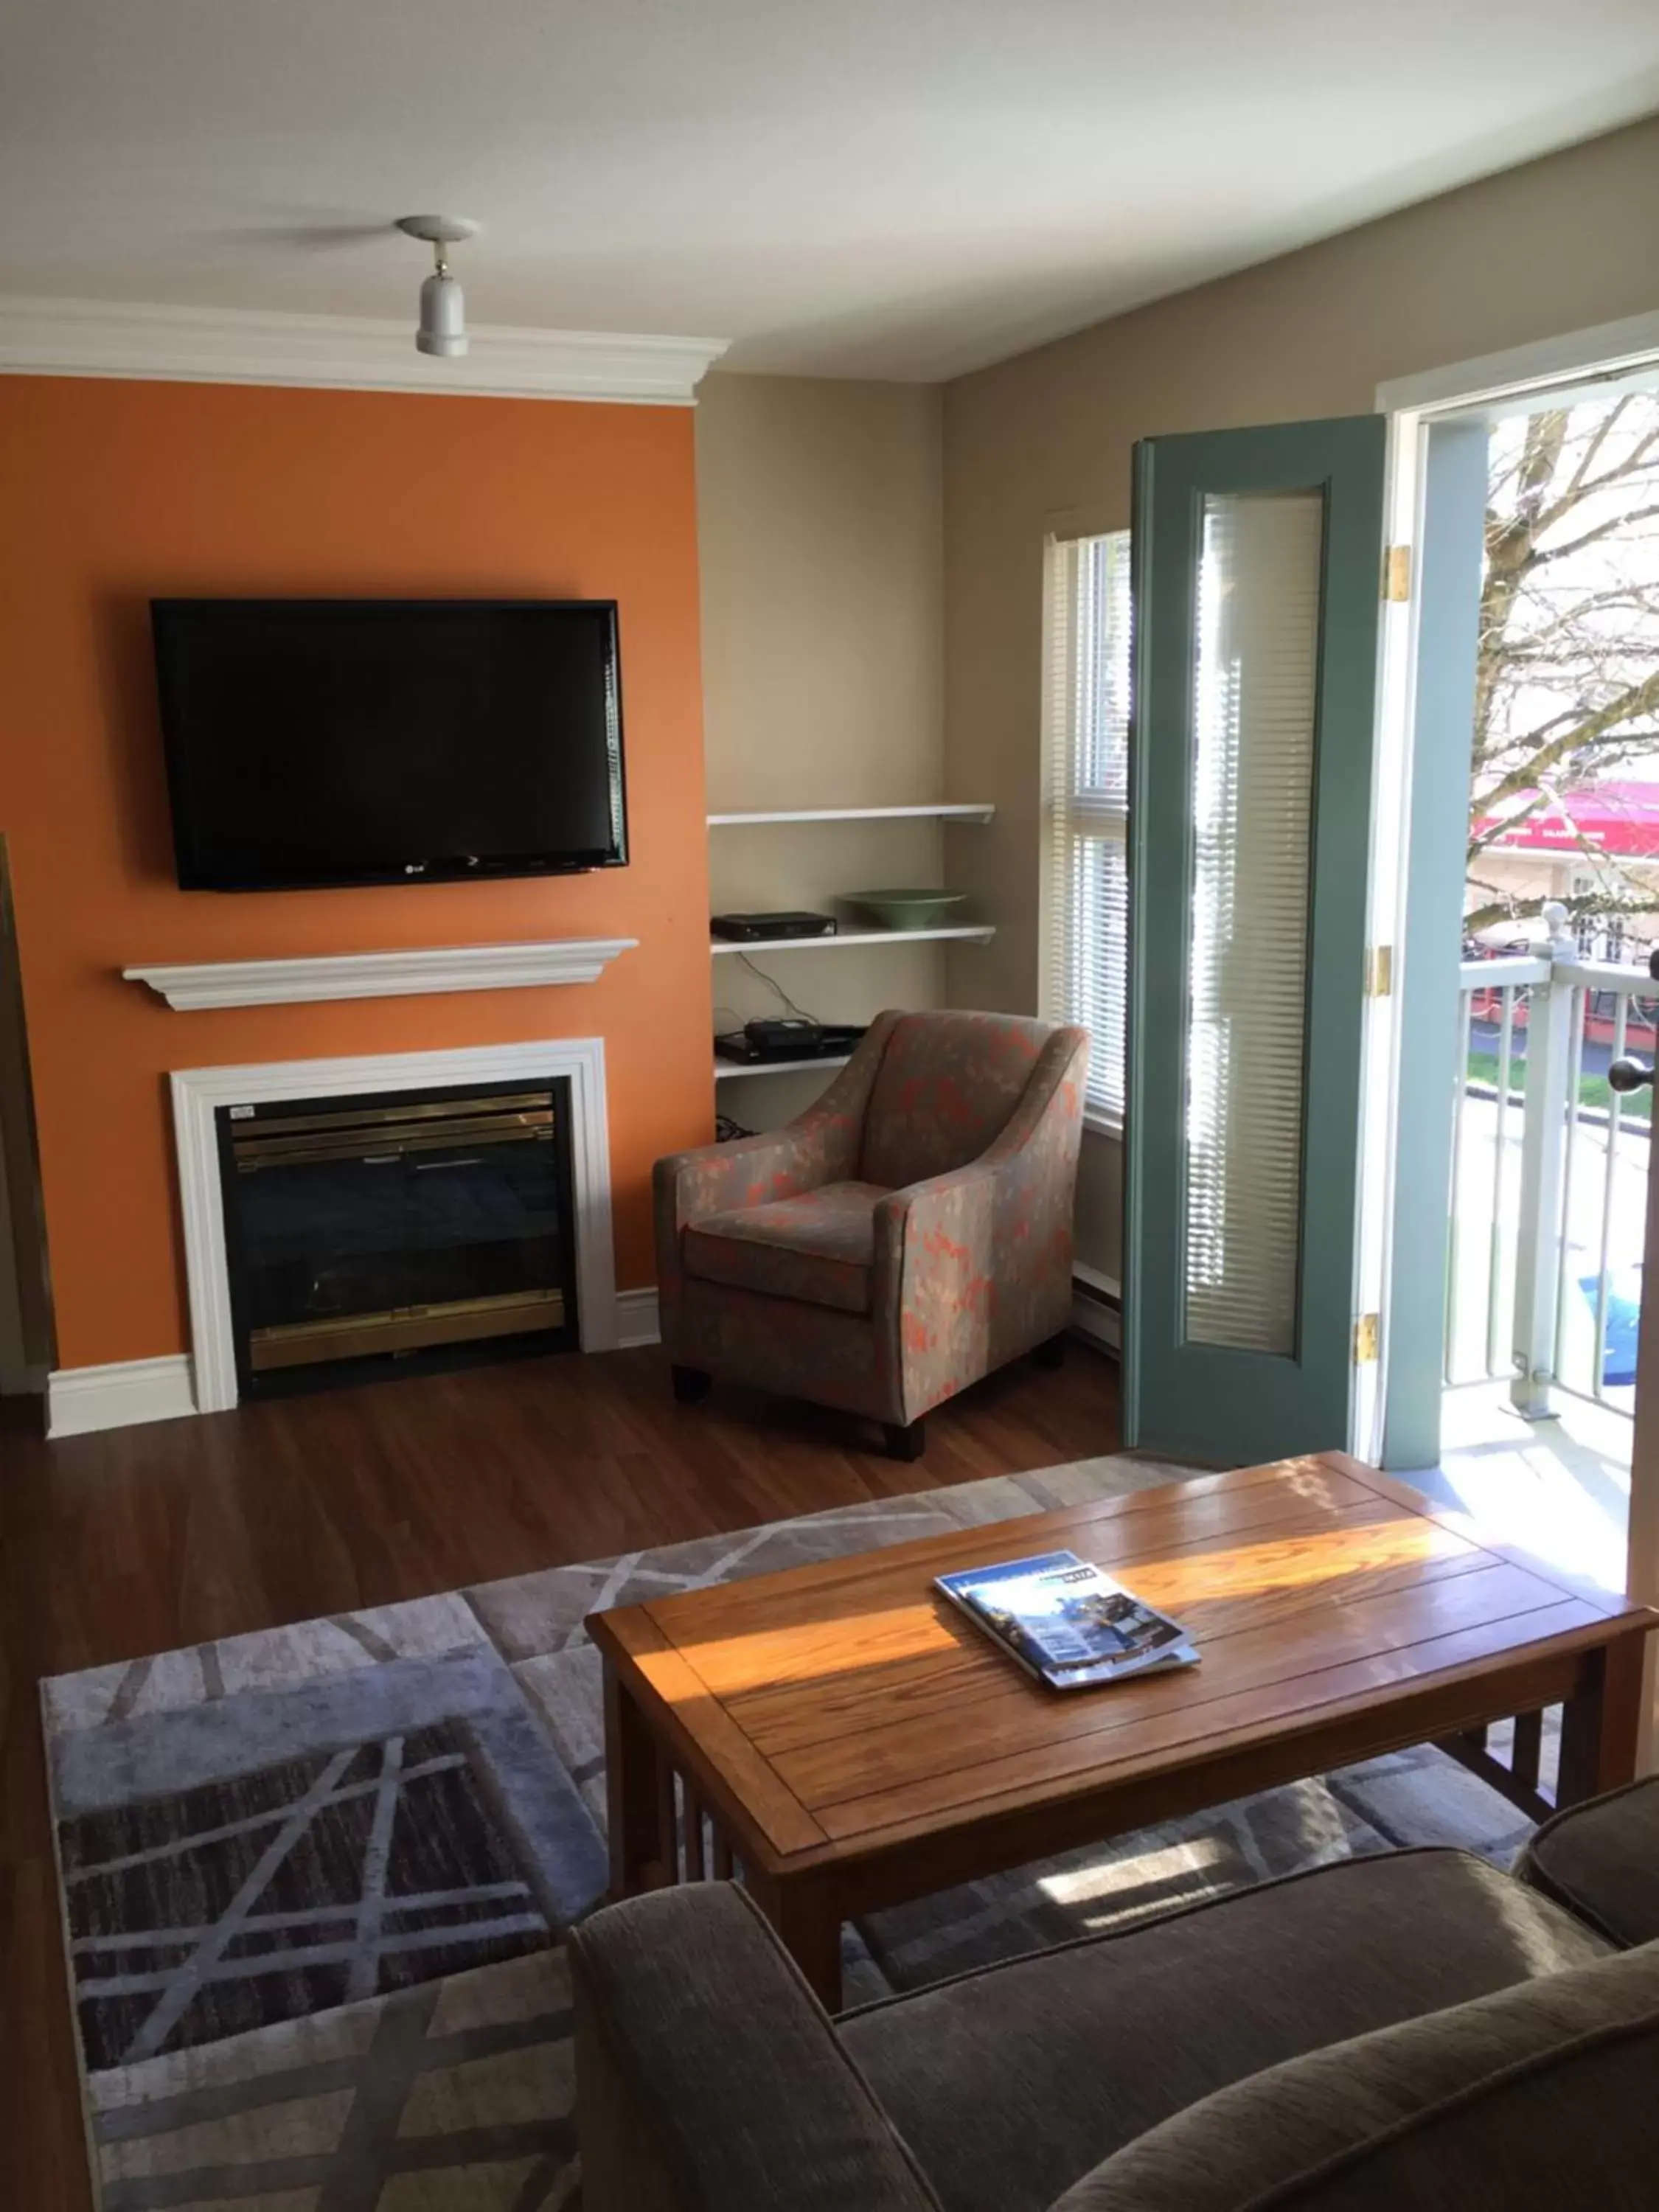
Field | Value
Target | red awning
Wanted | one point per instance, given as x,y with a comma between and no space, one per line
1621,817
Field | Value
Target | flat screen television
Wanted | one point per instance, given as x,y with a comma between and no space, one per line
315,741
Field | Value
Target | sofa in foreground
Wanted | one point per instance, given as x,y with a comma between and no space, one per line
1412,2030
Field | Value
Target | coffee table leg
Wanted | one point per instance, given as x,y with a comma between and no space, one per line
808,1921
1601,1728
633,1788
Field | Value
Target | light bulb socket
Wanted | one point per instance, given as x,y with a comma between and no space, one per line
443,317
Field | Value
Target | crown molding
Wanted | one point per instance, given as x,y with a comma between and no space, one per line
351,352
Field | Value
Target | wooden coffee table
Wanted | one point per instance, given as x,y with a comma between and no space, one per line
854,1741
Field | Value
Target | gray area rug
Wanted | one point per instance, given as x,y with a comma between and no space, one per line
313,1879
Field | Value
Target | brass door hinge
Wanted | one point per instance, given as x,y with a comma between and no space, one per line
1397,573
1379,971
1364,1340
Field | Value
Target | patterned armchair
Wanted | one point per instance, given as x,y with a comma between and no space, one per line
909,1233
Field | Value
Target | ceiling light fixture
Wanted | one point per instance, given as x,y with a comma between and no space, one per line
442,328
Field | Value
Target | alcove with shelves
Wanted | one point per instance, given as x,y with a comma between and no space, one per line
766,860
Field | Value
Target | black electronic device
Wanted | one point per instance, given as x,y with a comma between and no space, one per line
786,1038
315,742
751,928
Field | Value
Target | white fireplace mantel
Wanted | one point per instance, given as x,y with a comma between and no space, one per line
189,989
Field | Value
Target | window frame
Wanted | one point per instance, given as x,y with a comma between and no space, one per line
1071,811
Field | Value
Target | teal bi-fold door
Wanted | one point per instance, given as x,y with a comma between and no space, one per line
1258,560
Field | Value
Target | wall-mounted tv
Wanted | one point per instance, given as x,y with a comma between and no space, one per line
315,741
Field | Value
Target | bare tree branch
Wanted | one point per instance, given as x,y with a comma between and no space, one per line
1567,665
1593,536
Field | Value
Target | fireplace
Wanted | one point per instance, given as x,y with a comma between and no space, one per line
392,1232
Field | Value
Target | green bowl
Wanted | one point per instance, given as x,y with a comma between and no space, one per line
907,909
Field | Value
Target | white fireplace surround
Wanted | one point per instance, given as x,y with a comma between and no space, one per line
83,1399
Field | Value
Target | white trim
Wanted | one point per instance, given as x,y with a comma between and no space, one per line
1604,354
197,1092
1605,350
382,974
1386,923
357,352
724,1070
967,932
120,1396
637,1319
1103,1324
951,811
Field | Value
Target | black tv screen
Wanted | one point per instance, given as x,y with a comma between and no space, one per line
313,742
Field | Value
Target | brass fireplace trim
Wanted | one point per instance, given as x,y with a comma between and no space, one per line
377,1117
403,1329
390,1134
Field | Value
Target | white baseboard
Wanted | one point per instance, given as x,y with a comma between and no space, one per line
1096,1310
637,1321
80,1400
129,1391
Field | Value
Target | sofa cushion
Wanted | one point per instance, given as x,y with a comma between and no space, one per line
1012,2083
1601,1861
1533,2100
946,1088
818,1247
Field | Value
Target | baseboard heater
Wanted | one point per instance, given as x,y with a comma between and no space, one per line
1097,1308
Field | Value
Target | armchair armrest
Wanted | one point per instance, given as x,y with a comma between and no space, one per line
748,1171
933,1291
709,2078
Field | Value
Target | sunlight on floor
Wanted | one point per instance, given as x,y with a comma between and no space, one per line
1079,1885
1560,1488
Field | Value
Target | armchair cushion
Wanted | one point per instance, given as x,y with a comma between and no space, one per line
819,1247
946,1088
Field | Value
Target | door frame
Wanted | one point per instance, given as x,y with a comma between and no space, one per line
1398,1034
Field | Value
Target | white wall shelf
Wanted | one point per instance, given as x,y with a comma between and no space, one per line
971,932
950,812
381,975
959,933
725,1069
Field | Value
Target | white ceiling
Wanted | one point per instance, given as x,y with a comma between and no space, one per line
900,188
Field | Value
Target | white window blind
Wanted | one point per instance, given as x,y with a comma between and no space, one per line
1086,879
1255,685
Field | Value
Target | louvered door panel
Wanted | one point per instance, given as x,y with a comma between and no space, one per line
1257,568
1254,716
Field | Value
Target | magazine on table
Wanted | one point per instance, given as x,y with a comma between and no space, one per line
1066,1621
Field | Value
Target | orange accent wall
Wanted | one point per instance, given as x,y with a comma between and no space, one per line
118,492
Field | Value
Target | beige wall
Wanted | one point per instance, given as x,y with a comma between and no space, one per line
1556,247
819,508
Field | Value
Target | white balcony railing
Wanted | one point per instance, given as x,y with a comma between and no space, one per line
1549,1176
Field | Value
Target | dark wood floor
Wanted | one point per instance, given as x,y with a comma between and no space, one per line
141,1539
